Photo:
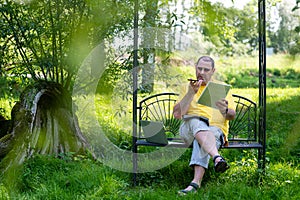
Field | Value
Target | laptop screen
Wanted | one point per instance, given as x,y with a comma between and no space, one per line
154,132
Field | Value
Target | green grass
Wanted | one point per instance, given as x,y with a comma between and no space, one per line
80,177
46,177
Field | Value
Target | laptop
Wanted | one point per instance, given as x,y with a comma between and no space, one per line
154,132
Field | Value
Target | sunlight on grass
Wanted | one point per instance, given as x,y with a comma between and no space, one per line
114,111
4,194
279,61
278,94
282,61
282,174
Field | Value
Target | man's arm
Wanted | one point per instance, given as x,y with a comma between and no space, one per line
183,105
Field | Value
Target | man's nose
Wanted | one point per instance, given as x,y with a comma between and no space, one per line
201,71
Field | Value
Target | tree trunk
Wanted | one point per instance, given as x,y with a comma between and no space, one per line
42,122
149,51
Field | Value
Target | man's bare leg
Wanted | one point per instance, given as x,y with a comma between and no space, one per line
207,141
198,176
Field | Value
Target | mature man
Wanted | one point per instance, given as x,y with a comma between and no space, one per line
205,126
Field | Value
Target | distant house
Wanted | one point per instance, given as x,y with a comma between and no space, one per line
269,51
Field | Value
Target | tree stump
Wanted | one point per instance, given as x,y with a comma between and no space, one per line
43,122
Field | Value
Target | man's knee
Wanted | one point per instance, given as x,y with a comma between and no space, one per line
204,133
204,136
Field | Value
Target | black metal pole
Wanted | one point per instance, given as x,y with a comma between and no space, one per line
135,89
262,81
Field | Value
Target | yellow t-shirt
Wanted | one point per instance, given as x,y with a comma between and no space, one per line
214,115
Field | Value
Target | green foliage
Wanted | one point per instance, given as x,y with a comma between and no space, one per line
230,30
114,71
36,39
286,37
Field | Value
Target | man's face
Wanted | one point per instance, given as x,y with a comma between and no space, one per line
204,71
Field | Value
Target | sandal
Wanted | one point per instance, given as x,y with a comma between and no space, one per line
193,190
222,165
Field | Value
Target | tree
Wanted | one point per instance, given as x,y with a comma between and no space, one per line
44,42
149,22
295,48
285,37
232,31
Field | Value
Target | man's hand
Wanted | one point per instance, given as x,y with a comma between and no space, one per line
222,105
228,114
182,107
194,85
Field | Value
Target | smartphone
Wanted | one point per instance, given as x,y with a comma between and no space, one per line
193,80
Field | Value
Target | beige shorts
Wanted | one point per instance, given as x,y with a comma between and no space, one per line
192,126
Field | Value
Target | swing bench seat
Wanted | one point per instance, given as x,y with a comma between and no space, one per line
243,132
